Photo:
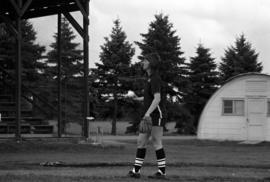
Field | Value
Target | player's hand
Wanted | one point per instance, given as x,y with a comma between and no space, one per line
145,125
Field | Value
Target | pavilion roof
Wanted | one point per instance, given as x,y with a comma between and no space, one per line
37,8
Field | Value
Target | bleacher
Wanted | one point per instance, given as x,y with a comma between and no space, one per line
30,124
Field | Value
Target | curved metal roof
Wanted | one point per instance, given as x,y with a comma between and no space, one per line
244,74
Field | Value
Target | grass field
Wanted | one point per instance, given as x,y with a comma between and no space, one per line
187,160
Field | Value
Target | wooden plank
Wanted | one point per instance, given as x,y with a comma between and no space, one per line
16,7
83,11
75,24
41,4
85,128
39,12
25,6
59,62
18,74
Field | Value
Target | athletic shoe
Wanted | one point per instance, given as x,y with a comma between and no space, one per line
158,175
134,174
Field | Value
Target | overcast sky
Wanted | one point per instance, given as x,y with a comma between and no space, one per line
214,23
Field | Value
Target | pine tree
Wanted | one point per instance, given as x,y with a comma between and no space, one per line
32,66
161,39
71,54
204,81
115,57
241,58
71,74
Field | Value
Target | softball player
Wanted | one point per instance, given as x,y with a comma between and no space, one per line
154,99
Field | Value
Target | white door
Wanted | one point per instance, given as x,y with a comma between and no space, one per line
256,117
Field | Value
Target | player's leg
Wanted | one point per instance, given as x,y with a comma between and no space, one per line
142,141
157,134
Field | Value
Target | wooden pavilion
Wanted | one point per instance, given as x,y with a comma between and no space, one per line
13,11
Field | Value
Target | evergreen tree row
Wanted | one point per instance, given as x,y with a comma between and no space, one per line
188,83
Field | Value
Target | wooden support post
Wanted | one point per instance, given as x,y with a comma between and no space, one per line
59,63
18,73
86,70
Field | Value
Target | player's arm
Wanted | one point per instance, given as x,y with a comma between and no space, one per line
135,97
138,98
153,105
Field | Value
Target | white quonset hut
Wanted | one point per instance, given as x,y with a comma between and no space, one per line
239,110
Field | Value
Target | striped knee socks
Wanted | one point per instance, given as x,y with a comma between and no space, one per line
161,160
140,155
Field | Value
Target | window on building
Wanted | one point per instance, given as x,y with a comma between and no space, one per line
233,107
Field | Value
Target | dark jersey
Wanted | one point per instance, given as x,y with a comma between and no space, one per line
152,86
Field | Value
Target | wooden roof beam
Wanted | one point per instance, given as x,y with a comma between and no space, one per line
25,6
84,13
15,6
39,12
20,11
74,23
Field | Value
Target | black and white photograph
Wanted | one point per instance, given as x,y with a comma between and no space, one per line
134,90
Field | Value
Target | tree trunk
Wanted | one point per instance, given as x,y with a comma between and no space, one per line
113,132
